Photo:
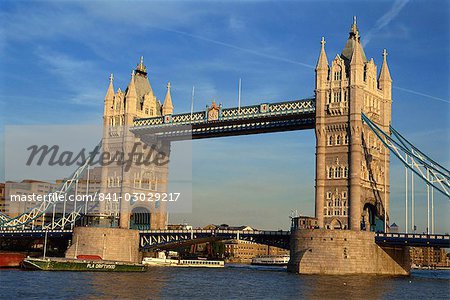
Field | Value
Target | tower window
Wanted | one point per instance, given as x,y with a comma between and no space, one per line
338,139
330,140
337,75
346,139
328,195
337,172
330,173
345,172
337,96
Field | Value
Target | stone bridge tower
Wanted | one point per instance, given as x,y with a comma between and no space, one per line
352,165
120,110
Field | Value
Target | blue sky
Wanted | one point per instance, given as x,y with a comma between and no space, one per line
56,58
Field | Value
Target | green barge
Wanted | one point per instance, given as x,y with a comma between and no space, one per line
65,264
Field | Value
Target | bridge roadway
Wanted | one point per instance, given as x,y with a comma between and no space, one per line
152,239
216,121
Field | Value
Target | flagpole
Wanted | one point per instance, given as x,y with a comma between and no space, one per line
192,101
239,96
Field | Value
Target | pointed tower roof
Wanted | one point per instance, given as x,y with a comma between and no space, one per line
322,62
131,89
358,56
168,100
384,73
353,41
110,91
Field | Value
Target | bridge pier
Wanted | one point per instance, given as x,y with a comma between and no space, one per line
339,252
109,243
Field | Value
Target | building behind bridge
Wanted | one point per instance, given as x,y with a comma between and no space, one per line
429,257
3,203
243,251
25,188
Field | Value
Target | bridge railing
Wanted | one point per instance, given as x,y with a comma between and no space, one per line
217,231
235,113
414,236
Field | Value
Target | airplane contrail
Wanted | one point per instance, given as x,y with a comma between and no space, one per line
283,59
385,19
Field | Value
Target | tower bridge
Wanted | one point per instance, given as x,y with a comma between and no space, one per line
351,116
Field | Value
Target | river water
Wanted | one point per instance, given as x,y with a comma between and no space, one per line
231,282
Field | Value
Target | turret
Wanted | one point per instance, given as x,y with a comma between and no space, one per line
109,101
131,95
167,106
110,92
384,80
357,63
322,66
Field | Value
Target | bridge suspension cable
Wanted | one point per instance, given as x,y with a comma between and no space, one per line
435,175
49,203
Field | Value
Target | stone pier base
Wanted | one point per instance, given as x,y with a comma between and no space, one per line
109,243
339,252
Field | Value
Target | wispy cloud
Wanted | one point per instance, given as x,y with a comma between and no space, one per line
72,73
421,94
385,19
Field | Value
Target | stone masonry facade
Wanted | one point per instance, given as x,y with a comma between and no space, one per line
352,165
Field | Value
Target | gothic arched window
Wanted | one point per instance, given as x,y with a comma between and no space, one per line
330,140
330,173
337,172
345,172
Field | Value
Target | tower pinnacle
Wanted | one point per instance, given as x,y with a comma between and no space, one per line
141,68
384,73
353,41
131,91
322,62
110,91
168,106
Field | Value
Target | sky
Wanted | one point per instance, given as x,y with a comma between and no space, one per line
56,58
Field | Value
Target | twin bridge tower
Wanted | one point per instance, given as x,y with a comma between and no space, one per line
352,165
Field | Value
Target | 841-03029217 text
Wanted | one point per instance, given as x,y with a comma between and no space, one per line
142,197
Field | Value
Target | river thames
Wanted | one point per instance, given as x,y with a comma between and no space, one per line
231,282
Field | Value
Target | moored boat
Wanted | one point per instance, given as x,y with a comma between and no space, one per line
11,259
163,261
65,264
271,260
168,262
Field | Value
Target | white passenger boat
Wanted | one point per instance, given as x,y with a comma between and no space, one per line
271,260
170,262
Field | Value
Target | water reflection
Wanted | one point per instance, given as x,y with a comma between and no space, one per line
241,282
149,285
345,287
